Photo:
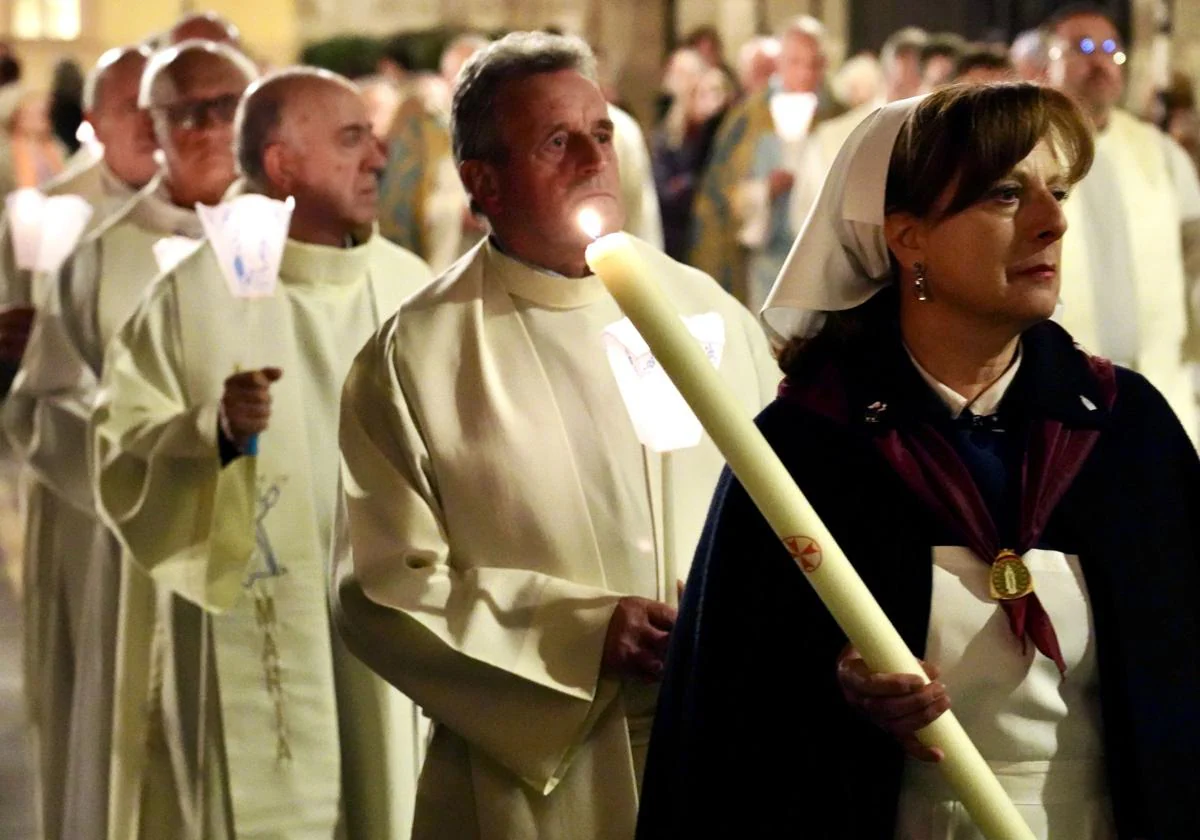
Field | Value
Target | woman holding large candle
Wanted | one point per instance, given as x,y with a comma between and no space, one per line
1026,514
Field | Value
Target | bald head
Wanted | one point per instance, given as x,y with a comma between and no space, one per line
192,92
275,108
110,103
204,26
306,134
121,67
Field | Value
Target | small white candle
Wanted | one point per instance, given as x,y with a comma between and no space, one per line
627,265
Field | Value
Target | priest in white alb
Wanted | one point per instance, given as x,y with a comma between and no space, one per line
216,467
507,525
106,180
1134,223
68,648
184,100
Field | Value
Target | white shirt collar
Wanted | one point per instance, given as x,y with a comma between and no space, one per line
983,405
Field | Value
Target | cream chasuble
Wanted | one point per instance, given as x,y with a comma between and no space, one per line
246,667
68,647
499,505
1123,287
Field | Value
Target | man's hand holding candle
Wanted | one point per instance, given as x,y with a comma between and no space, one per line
639,633
246,405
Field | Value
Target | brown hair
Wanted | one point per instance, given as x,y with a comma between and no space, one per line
970,136
962,138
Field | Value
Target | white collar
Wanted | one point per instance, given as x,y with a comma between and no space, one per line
983,405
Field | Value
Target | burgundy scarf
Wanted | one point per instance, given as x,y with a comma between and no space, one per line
1052,457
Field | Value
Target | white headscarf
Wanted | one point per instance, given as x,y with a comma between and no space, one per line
840,259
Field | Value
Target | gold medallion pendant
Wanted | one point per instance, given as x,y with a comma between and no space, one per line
1010,578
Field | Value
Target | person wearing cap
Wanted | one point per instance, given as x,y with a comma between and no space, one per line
743,222
68,647
504,564
1026,514
1131,261
215,470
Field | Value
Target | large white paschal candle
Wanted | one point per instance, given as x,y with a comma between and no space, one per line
627,266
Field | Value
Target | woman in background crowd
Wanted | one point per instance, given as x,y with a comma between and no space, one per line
30,154
681,148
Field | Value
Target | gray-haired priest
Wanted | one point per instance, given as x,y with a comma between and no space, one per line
217,471
505,520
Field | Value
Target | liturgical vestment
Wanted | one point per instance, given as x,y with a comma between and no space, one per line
499,505
1123,281
260,725
66,649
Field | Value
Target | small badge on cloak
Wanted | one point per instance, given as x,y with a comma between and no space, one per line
875,413
248,234
1009,579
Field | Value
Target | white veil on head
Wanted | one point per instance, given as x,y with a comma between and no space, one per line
840,259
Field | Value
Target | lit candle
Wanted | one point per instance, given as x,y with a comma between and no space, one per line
627,265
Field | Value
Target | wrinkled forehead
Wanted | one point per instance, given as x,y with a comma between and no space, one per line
546,99
321,106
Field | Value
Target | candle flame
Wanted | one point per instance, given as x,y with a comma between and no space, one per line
591,223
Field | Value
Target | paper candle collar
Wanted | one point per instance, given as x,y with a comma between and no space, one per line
45,230
660,415
248,234
792,114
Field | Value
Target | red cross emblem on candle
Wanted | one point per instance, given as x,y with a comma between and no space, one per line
806,551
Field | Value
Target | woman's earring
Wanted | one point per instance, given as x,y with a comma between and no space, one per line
919,283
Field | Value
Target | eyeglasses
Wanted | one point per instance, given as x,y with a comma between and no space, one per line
1090,46
196,114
